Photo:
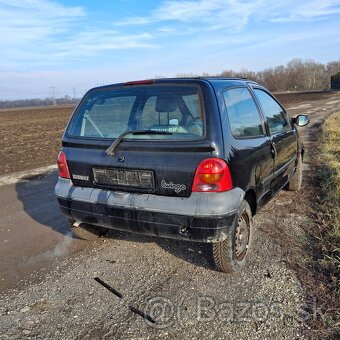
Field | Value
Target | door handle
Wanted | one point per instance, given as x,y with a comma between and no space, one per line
273,149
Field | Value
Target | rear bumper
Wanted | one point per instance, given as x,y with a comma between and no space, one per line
202,217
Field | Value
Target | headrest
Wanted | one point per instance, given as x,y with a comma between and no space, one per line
166,103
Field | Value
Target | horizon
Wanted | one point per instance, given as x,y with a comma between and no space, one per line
74,45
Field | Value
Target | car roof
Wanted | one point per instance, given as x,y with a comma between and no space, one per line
207,78
211,79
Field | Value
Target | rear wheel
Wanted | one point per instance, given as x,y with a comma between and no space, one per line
295,182
87,232
230,255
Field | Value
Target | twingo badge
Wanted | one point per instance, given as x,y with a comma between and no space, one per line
177,187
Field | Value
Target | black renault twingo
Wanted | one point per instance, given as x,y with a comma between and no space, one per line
191,159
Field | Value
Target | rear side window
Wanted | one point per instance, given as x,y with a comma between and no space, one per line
107,113
244,118
276,116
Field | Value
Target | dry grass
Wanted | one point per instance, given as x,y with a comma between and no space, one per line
330,185
328,236
317,261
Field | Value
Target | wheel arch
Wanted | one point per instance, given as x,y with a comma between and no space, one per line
250,197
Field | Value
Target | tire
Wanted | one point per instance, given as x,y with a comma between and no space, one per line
295,182
87,232
231,255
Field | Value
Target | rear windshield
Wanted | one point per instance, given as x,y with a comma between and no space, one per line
107,113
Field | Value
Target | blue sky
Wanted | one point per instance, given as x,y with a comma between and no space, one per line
81,44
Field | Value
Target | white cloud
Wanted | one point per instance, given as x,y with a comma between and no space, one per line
234,14
215,13
89,43
40,32
314,9
31,20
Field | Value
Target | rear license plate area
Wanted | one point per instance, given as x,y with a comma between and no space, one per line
139,179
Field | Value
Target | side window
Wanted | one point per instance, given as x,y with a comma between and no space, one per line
276,116
244,118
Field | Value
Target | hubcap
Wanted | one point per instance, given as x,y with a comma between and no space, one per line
242,236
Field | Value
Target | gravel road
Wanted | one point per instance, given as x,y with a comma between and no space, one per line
169,289
173,282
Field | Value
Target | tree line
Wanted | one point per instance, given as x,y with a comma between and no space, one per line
37,102
296,75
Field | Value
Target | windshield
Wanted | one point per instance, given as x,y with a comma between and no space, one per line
107,113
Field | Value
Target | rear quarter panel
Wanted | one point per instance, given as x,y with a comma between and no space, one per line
249,160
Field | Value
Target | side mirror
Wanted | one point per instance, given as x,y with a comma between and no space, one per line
301,120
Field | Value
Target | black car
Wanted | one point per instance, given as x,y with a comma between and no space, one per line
191,159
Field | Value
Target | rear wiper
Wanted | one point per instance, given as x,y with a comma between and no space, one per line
111,149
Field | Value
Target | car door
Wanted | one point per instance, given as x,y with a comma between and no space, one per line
282,136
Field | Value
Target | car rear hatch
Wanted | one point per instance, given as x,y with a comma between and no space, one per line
177,124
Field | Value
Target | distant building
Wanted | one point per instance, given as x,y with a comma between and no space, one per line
335,81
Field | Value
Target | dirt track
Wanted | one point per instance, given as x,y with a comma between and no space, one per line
161,276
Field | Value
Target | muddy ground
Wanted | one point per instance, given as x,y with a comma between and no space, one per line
30,138
172,282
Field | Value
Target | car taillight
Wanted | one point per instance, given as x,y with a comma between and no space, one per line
212,175
62,166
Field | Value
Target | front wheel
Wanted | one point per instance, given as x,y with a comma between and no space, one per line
231,254
295,182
